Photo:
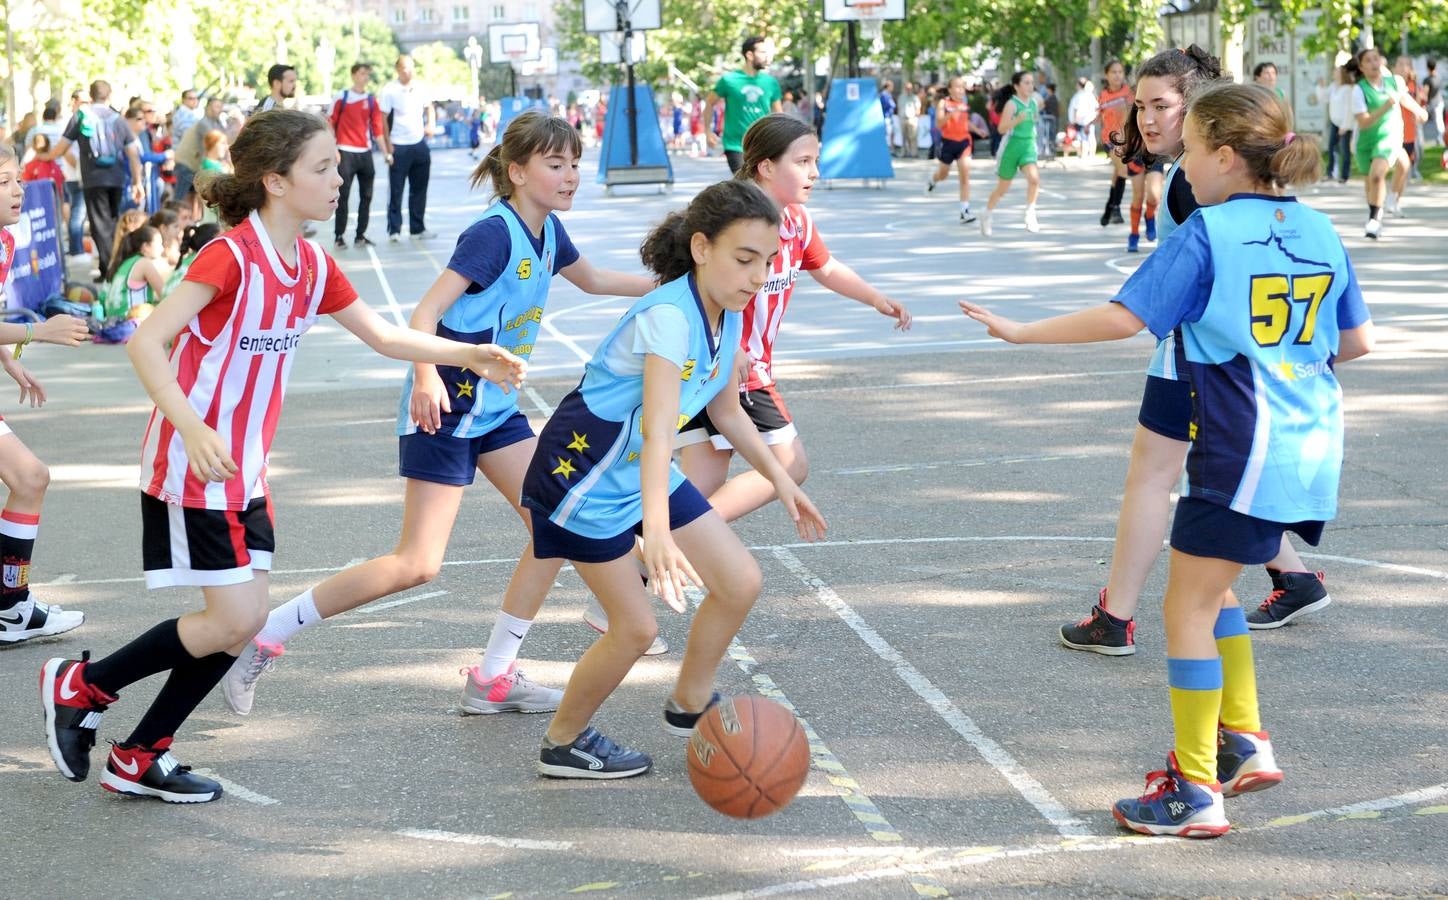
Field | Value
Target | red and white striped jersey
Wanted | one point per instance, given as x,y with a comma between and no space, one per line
233,359
800,248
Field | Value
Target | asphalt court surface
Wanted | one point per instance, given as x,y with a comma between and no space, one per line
971,491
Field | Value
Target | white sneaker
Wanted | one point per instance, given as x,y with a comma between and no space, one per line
32,619
1373,228
238,686
394,238
985,215
511,691
1032,225
1394,205
594,617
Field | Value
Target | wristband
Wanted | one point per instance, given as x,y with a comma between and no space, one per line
20,346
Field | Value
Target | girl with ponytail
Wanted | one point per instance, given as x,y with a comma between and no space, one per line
1265,303
450,425
603,474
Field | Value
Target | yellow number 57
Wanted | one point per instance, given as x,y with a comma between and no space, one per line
1272,299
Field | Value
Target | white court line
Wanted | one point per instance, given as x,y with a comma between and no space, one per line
622,301
392,306
1005,379
957,464
538,400
902,346
481,840
907,869
67,578
1113,265
1408,799
818,545
1065,823
237,791
565,340
402,601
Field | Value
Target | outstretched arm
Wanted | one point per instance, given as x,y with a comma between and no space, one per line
845,281
1107,322
582,275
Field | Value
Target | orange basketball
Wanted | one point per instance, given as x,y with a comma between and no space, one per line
748,757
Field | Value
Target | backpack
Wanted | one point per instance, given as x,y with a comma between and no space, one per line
371,109
95,131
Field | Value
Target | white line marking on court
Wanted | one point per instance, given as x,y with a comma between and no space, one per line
538,400
856,346
1114,265
565,340
957,464
1372,563
392,306
623,302
997,756
237,791
401,601
67,578
908,869
483,840
1006,379
1407,799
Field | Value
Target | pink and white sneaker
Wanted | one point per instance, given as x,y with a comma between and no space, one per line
511,691
238,686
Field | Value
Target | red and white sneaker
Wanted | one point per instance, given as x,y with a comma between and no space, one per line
154,772
73,708
1245,762
511,691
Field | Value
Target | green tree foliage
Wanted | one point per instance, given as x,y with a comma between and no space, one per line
442,67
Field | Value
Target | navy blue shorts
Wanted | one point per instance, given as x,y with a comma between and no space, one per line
950,150
1203,528
552,541
1166,408
445,459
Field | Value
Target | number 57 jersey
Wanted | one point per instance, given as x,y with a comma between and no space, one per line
1261,289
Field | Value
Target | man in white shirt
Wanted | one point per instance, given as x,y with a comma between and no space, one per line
410,117
1082,111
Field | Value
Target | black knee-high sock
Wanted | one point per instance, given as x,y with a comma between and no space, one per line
155,651
188,685
17,540
1118,190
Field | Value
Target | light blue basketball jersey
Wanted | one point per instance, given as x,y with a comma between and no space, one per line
1165,360
585,472
1267,423
507,312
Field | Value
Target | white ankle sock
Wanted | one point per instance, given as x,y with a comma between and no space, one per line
965,206
503,646
289,618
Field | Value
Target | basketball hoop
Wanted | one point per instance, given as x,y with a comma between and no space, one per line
515,59
871,16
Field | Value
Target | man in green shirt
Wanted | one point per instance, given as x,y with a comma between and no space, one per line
749,94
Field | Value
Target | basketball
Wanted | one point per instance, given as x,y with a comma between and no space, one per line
80,294
748,757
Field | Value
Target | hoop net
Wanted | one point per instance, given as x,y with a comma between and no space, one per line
871,16
515,59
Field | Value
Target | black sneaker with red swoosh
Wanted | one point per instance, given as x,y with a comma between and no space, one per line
154,772
73,708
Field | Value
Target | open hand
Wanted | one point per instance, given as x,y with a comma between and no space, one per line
30,389
897,311
499,366
1007,330
429,400
669,570
807,520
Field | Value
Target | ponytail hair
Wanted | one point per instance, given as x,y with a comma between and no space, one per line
667,251
269,143
1188,70
531,133
197,236
1005,92
130,246
769,139
1258,127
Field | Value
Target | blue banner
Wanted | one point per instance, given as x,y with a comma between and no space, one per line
509,107
38,271
854,144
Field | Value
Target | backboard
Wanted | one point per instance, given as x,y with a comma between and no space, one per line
515,42
845,11
546,64
610,48
603,15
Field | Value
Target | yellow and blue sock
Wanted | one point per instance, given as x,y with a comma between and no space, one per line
1196,703
1239,676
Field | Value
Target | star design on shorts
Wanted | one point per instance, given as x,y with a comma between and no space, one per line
465,388
565,468
580,442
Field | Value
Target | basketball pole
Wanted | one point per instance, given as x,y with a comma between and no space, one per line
852,53
626,26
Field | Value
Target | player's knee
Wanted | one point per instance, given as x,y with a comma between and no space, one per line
633,634
798,468
239,625
413,571
743,586
32,479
